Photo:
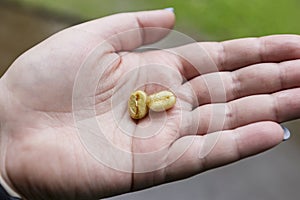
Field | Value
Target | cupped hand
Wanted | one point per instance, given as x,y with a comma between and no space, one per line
230,98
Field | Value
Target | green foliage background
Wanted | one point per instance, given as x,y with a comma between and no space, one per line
202,19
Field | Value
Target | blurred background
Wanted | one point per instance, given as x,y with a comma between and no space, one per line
272,175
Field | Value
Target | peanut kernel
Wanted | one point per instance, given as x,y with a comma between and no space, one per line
161,101
137,105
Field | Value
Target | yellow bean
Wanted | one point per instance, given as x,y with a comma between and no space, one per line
137,105
161,101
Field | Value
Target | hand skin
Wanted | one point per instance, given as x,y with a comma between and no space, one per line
42,156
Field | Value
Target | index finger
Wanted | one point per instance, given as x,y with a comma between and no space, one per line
207,57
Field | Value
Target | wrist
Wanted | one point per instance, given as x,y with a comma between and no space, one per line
6,191
5,183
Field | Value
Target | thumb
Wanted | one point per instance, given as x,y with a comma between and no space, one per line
127,31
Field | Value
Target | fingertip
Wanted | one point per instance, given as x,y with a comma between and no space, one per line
259,137
279,132
164,18
155,23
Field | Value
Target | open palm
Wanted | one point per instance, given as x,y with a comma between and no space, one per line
65,127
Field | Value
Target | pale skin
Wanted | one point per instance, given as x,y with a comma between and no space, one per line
42,156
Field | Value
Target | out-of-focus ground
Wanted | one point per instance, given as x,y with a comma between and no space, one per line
273,175
215,19
20,29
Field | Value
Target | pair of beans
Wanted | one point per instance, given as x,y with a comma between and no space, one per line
139,103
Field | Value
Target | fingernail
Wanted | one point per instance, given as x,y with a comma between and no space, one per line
170,9
286,134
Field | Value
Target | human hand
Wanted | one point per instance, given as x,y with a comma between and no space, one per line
47,93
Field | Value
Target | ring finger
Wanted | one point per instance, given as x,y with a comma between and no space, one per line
222,87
